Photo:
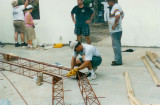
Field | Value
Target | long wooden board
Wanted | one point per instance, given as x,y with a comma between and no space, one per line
134,99
129,87
153,57
150,70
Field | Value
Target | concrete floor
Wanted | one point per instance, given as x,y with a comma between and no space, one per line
110,79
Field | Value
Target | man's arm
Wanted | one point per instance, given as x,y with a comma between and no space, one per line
116,21
92,16
73,62
89,21
73,19
84,65
26,4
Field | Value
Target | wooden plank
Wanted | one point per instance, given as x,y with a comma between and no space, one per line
150,70
157,65
151,104
150,56
153,57
128,83
129,87
134,99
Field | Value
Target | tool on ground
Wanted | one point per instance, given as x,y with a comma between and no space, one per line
129,50
1,44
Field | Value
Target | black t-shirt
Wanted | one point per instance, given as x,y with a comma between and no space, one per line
82,14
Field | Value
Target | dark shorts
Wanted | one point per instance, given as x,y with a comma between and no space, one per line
85,31
96,61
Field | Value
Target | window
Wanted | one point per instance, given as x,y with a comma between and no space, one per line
35,3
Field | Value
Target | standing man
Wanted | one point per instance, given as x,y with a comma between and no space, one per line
83,16
115,19
90,59
19,24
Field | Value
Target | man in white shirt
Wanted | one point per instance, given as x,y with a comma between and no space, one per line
90,59
115,19
19,24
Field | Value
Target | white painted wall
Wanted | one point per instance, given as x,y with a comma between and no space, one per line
141,24
55,21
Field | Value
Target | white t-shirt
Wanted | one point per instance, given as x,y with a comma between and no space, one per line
18,12
116,10
89,51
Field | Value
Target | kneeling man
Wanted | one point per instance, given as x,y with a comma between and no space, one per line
90,59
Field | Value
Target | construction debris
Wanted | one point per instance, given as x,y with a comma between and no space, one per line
129,50
150,70
1,45
10,57
40,79
133,100
129,87
51,74
154,58
58,45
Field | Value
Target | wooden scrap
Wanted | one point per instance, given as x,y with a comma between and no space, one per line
134,99
129,87
150,56
150,70
153,57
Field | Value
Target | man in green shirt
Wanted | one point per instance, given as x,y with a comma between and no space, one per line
83,16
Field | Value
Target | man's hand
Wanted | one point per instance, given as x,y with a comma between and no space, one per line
72,72
88,21
116,21
114,26
26,3
74,21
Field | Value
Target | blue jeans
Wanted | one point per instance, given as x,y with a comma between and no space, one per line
116,44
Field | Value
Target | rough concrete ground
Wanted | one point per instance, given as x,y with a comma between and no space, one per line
110,79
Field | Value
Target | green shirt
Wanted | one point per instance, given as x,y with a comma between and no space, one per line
82,15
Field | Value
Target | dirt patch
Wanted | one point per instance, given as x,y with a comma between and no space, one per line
98,32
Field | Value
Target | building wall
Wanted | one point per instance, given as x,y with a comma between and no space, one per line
55,21
141,24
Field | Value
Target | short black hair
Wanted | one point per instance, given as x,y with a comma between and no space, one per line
79,43
111,0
